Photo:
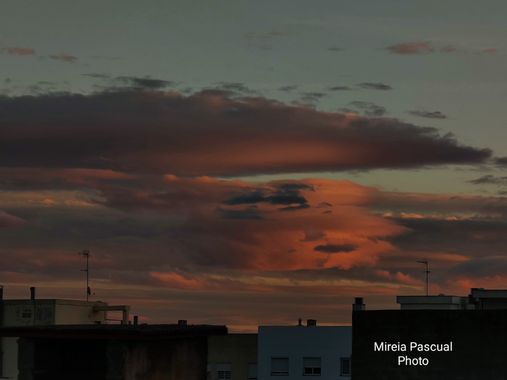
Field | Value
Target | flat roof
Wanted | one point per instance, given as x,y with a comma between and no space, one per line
59,301
488,293
439,299
122,332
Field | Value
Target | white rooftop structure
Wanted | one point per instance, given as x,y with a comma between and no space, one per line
479,298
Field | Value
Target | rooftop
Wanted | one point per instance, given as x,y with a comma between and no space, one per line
122,332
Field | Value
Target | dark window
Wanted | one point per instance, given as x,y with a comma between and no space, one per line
311,366
279,366
26,313
345,369
252,371
223,371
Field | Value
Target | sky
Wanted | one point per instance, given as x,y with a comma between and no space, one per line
252,162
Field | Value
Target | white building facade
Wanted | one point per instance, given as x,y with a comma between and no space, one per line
44,312
297,352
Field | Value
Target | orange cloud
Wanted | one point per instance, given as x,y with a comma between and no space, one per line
20,51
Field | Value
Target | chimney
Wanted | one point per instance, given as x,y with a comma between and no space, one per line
311,322
358,304
300,322
32,293
1,293
136,320
182,323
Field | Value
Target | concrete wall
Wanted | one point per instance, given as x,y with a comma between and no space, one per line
479,349
40,312
71,312
87,359
167,360
240,350
330,343
28,312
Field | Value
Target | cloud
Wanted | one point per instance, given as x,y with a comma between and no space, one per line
335,248
288,88
19,51
368,108
375,86
210,133
181,224
132,83
416,47
263,40
144,82
235,87
213,242
426,47
490,51
428,114
64,57
312,97
489,179
335,49
8,220
340,88
501,161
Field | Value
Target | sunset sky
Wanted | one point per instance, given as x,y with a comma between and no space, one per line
252,162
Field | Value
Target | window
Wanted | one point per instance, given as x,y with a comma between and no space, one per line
252,371
345,367
223,371
311,366
279,366
26,313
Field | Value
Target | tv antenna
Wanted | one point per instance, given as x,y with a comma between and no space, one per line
86,254
427,272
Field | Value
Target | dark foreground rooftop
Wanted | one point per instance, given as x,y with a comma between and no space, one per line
123,332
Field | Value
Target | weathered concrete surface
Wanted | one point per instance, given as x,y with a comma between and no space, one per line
103,352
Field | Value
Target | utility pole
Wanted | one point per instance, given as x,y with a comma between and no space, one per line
427,272
86,254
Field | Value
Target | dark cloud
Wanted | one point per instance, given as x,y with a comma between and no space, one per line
247,213
288,88
482,266
283,194
235,87
210,133
97,75
489,179
144,82
130,82
19,51
428,114
368,108
64,57
375,86
312,96
340,88
335,248
501,161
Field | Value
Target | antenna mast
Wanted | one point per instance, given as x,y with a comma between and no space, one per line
86,254
427,272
